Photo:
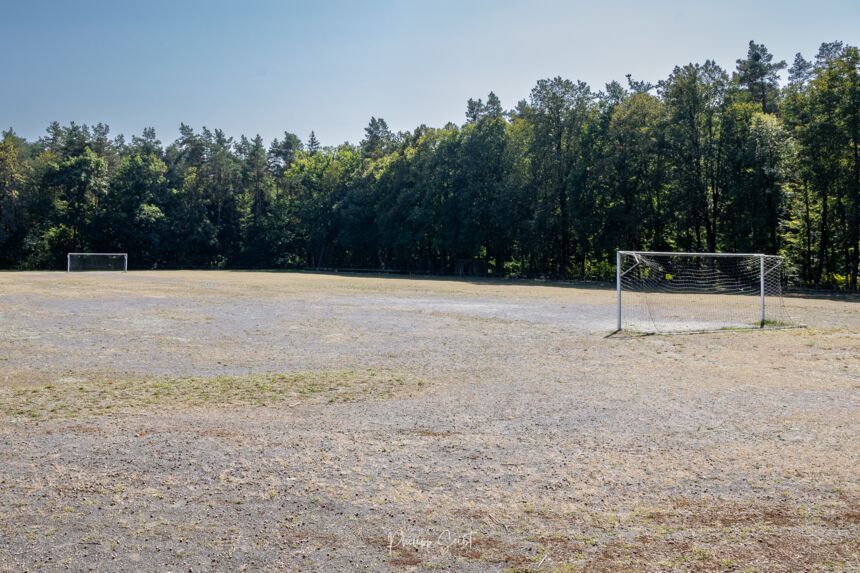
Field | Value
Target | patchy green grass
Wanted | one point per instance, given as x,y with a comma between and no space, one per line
775,324
95,398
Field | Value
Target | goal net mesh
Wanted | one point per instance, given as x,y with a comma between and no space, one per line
96,262
688,293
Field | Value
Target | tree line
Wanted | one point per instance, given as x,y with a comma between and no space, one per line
705,160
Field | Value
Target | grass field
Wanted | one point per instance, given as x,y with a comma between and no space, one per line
237,421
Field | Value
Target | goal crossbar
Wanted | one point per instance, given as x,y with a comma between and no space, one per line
683,254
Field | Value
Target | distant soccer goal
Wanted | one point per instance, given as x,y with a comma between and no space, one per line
96,262
689,292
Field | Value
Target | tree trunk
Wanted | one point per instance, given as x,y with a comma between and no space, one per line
564,215
807,247
855,211
825,235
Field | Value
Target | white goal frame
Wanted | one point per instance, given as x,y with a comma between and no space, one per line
123,255
760,256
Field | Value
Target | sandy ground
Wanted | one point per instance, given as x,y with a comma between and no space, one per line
217,421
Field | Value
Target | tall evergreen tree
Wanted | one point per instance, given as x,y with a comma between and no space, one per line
760,75
313,145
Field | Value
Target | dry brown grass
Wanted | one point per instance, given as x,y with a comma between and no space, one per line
99,397
141,428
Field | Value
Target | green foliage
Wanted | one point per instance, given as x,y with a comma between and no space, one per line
14,171
760,76
703,161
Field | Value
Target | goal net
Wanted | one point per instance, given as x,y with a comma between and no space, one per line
689,292
97,262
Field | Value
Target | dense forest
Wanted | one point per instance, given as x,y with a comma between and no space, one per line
705,160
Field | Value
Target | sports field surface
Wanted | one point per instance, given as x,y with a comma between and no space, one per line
242,421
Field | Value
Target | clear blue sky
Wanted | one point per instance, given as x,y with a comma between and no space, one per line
268,66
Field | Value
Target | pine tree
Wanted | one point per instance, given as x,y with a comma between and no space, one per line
760,75
313,145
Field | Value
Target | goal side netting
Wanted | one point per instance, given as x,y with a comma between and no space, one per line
690,292
97,262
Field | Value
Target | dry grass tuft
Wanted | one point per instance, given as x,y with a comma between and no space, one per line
95,398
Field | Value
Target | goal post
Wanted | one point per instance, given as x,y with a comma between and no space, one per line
79,262
688,292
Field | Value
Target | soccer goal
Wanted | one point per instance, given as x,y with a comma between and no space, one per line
689,292
97,262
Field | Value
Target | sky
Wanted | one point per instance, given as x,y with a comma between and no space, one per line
264,67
